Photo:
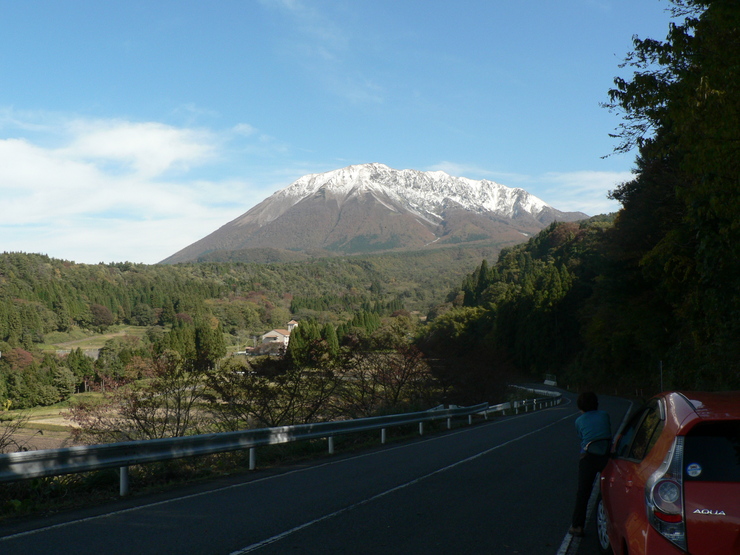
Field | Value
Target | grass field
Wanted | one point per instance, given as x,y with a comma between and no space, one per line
51,416
63,341
46,427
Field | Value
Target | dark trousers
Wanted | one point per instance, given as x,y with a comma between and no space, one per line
588,467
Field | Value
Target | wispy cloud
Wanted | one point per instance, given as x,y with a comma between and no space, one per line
324,46
477,172
582,191
244,129
328,36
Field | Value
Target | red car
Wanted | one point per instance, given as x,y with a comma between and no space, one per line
672,484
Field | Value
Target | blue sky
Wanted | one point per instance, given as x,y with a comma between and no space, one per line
130,129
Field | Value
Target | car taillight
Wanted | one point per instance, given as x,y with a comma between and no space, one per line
664,497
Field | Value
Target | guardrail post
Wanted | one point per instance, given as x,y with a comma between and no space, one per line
382,436
331,445
421,428
449,423
123,471
252,458
470,419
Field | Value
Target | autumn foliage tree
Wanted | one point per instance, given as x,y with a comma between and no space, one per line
164,405
102,316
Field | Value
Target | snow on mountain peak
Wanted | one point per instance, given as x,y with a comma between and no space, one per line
426,193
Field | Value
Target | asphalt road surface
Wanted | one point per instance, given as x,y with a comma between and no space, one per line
502,486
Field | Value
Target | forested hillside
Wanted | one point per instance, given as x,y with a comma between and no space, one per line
609,306
44,301
524,314
39,295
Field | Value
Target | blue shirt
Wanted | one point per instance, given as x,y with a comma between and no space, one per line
591,425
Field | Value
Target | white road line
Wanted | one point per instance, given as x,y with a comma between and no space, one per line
278,537
570,541
239,485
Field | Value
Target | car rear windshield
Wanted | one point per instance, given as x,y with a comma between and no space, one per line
712,452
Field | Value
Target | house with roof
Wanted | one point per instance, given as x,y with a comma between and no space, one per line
280,337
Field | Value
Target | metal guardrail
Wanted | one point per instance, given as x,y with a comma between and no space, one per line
85,458
549,399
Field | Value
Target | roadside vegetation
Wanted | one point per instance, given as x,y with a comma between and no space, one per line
647,299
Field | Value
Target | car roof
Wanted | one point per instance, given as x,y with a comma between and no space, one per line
722,405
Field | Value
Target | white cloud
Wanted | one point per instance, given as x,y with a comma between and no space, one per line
582,191
149,148
107,194
579,191
244,129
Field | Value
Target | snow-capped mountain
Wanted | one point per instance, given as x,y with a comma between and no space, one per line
371,208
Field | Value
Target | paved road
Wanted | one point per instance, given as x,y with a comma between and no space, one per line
505,486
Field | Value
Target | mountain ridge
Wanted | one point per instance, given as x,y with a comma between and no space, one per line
372,208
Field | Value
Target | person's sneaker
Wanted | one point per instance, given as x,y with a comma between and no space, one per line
576,531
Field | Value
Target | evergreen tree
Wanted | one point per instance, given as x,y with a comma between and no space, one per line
209,346
329,334
682,111
81,366
64,381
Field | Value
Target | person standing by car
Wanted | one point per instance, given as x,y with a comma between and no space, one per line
595,431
